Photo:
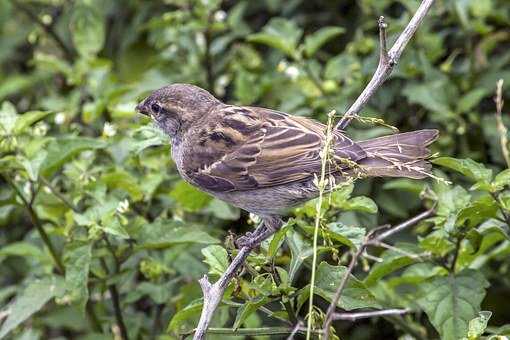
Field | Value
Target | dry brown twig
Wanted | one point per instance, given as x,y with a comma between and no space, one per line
213,293
502,130
387,60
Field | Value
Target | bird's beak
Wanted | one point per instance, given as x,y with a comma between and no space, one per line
142,108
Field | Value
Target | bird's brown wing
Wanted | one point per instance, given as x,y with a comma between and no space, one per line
263,148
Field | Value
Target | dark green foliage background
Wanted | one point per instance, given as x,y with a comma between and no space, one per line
79,166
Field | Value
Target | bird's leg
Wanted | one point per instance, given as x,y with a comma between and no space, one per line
269,226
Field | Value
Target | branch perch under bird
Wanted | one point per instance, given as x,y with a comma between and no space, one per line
229,153
387,60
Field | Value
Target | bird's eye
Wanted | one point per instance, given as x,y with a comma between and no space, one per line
156,108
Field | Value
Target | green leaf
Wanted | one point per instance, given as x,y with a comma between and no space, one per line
430,95
8,117
392,261
87,29
467,167
63,149
189,197
348,235
478,325
123,180
360,203
162,234
33,298
313,42
471,99
502,179
177,322
248,309
452,301
450,201
281,34
77,257
478,211
217,258
27,119
355,294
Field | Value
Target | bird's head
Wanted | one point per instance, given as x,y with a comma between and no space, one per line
175,107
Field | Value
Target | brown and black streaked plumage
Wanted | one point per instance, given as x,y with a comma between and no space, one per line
263,160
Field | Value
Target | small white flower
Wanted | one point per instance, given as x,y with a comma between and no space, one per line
41,129
221,83
123,206
109,130
60,118
200,39
292,72
47,190
220,16
282,65
46,19
26,188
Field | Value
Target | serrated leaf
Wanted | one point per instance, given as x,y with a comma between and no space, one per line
450,201
431,96
77,257
63,149
31,300
162,234
314,42
217,258
478,325
355,294
467,167
450,302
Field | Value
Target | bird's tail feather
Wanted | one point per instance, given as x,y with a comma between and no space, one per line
399,155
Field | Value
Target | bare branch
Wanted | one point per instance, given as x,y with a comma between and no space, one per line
502,130
213,293
365,315
371,239
386,61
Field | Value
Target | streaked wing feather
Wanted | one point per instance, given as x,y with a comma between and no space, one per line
283,149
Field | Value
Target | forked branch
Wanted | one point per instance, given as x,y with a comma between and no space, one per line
372,239
387,60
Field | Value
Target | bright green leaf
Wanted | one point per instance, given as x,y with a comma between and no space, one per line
313,42
217,258
452,301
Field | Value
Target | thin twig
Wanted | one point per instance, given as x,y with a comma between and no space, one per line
257,331
502,130
371,239
365,315
387,60
213,293
36,222
49,29
114,293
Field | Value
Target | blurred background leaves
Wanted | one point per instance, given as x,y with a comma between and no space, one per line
99,236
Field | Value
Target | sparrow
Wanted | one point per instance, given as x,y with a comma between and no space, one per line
265,161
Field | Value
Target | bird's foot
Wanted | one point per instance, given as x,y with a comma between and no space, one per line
252,239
